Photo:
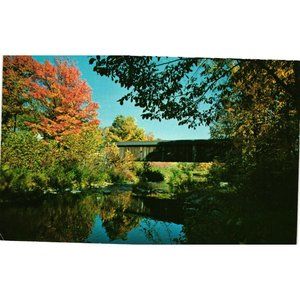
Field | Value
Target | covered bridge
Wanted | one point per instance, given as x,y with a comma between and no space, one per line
177,151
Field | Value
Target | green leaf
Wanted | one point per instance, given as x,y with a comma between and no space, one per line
92,60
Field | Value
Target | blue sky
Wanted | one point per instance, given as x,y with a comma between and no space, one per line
106,93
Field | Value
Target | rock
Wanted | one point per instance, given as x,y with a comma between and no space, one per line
75,191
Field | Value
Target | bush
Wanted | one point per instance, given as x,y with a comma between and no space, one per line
181,181
119,169
217,173
153,176
30,163
148,174
24,161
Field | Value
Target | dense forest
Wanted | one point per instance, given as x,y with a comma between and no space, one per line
53,141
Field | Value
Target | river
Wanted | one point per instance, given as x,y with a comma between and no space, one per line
118,217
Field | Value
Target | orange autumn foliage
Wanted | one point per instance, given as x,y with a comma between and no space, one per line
51,99
65,100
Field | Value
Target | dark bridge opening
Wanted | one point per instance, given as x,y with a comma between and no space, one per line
177,151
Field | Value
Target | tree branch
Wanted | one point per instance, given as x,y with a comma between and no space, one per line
277,79
172,61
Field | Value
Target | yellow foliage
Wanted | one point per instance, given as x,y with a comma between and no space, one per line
121,169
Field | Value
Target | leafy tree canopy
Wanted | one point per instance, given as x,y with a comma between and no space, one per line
125,129
18,72
51,99
194,90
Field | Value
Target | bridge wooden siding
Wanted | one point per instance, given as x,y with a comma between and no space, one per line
177,151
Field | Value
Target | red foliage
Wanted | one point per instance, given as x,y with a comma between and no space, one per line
64,99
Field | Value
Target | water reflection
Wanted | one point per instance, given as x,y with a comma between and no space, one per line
98,218
146,232
115,217
61,219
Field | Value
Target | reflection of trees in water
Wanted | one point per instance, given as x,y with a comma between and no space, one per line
120,213
153,233
120,225
116,214
70,218
61,218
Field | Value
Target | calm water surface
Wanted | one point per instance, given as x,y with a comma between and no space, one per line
95,218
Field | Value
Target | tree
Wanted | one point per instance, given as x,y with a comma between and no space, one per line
125,129
192,90
50,99
262,120
65,100
18,72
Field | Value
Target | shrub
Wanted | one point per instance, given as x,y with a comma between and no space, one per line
30,163
153,176
148,174
119,169
24,161
181,181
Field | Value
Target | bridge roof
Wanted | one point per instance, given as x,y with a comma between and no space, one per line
138,143
155,143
